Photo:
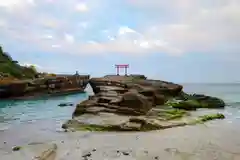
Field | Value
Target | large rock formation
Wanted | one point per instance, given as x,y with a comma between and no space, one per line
135,103
43,86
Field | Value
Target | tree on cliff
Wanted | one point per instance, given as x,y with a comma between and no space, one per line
33,68
12,68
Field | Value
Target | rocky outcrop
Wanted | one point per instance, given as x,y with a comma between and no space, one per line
135,103
195,101
126,95
44,86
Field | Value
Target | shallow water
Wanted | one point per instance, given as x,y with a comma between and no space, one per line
20,112
23,122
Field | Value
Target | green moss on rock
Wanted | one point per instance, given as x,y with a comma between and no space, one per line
140,123
205,118
99,128
186,105
171,114
193,104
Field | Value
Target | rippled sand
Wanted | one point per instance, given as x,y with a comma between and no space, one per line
218,140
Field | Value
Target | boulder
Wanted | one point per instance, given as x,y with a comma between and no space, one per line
186,105
135,101
195,101
208,101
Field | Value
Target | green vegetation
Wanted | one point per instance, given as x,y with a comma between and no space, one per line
205,118
194,104
89,127
170,114
142,124
186,105
9,67
93,127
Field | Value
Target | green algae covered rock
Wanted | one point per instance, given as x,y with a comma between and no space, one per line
186,105
171,114
139,123
195,101
206,118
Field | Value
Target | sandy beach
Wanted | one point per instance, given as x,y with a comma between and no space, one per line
216,140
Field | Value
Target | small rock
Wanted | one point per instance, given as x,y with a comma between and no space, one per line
87,155
62,141
16,148
65,104
156,157
125,153
94,150
5,142
64,126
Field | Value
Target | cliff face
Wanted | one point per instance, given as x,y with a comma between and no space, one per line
11,68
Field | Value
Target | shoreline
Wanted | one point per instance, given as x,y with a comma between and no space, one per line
213,139
202,141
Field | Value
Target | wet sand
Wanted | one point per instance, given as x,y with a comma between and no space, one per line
216,140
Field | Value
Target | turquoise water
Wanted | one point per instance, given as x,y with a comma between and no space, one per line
15,113
41,119
47,111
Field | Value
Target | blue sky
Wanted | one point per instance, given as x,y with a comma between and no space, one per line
175,40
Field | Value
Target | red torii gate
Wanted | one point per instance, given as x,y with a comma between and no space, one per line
118,66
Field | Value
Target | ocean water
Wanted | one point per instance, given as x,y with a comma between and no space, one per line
230,93
44,113
47,112
40,120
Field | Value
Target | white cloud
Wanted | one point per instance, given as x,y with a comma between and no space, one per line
199,26
9,3
16,5
125,30
111,38
189,26
47,36
56,46
69,38
30,64
81,7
